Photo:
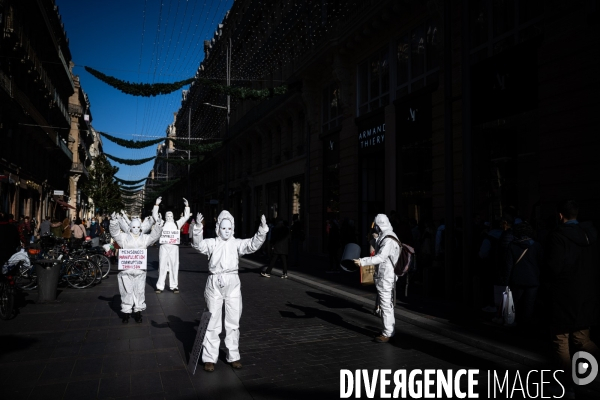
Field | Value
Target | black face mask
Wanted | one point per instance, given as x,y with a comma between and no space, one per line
377,229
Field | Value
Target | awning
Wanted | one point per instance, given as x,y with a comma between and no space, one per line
64,204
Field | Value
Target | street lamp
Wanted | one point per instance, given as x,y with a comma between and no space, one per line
228,108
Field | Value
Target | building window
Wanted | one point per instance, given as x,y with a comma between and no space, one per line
332,110
498,25
418,57
374,82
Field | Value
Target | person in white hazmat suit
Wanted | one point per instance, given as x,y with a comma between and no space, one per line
387,252
132,283
223,284
168,255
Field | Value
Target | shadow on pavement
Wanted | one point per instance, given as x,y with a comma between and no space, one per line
113,302
336,302
13,343
184,331
328,316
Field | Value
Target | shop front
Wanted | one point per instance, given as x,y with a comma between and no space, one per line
371,170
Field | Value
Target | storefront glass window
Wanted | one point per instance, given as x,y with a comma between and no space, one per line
374,82
332,112
417,58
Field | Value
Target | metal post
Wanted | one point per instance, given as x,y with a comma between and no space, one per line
467,153
189,150
448,153
227,156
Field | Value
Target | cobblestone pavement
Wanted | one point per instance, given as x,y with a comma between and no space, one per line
294,341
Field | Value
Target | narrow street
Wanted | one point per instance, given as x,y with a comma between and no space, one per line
294,342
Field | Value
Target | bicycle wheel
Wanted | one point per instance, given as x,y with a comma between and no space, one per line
7,300
103,262
26,279
79,273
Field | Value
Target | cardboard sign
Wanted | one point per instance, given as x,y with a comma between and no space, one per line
133,259
197,349
169,237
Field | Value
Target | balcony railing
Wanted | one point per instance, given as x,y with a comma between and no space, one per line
35,66
79,168
75,110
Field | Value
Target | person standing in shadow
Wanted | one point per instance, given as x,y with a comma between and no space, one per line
279,248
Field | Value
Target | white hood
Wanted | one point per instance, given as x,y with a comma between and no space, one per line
225,215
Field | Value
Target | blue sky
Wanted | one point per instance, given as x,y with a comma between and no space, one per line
139,41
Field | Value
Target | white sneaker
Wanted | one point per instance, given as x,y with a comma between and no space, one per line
284,276
265,275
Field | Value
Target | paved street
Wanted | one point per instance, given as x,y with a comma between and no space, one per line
294,341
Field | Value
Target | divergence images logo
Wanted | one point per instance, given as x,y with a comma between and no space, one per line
584,368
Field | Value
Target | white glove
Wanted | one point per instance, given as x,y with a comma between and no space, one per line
199,219
113,215
160,222
185,202
158,200
263,222
123,212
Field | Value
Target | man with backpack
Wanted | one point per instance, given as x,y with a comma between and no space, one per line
387,253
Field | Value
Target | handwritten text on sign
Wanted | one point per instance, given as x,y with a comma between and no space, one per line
197,349
169,236
133,258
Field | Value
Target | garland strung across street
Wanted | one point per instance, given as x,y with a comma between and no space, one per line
154,89
131,144
125,182
129,161
139,89
131,188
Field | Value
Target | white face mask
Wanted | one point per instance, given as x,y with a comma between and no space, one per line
136,228
225,229
169,216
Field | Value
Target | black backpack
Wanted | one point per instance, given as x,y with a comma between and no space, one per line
407,261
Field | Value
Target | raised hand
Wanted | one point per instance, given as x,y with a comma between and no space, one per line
123,213
186,202
263,221
158,200
199,219
113,215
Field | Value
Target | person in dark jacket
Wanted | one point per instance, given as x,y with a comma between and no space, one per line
95,232
570,280
279,248
522,270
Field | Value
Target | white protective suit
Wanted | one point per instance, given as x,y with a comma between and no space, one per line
132,283
386,256
124,222
168,255
223,284
147,224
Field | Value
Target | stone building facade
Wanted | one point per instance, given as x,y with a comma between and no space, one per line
45,138
435,110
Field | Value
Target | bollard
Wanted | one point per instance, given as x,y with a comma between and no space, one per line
48,272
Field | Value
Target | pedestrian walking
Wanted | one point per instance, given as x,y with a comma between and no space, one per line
223,285
570,281
279,248
25,231
56,228
45,227
387,252
523,261
95,232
